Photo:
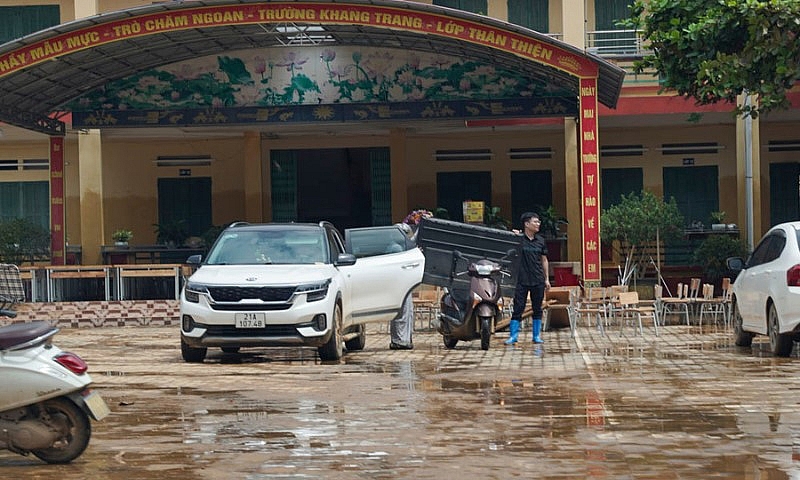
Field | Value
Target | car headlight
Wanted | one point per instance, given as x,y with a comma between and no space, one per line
314,291
193,290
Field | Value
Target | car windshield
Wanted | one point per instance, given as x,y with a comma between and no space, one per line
273,246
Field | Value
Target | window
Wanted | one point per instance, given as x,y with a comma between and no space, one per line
768,250
474,6
453,188
696,191
530,189
30,200
531,14
185,201
784,192
16,22
616,182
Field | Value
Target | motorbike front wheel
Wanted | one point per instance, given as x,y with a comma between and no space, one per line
486,332
74,428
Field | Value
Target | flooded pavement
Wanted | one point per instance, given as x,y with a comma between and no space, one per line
687,404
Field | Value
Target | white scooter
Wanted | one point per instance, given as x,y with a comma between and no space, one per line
45,402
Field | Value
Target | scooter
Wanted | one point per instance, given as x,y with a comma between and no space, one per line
473,313
45,401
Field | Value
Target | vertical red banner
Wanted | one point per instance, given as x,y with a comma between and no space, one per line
590,184
57,237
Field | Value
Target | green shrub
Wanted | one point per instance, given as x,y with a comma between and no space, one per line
712,253
22,240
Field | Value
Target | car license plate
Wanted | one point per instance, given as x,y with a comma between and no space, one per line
96,405
250,320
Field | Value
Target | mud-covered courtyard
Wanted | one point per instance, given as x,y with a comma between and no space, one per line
686,404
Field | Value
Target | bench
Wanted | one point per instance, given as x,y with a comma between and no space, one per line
12,291
156,270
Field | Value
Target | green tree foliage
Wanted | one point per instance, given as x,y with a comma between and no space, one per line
637,220
713,50
22,240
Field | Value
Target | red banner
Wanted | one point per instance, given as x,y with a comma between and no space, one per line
590,182
398,19
57,237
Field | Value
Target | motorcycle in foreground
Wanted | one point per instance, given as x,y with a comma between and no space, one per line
469,314
45,400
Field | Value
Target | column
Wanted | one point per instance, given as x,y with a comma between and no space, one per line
572,191
397,155
253,180
90,172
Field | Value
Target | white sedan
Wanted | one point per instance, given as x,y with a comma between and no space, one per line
766,293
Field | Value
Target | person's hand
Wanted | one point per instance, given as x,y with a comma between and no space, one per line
547,285
514,230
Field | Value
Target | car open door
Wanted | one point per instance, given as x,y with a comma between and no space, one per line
389,266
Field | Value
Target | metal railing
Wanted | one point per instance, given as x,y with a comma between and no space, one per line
616,43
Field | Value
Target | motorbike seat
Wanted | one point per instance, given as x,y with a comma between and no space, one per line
31,333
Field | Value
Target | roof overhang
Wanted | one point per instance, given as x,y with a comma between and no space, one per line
42,72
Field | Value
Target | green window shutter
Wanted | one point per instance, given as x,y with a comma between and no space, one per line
696,191
381,185
474,6
30,200
453,188
186,200
616,182
609,12
531,14
530,189
783,192
16,22
284,185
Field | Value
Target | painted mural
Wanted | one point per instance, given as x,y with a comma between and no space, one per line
239,85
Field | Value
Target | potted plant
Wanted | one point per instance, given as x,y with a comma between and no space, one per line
122,236
550,222
172,233
718,221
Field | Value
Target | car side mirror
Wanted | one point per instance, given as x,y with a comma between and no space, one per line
735,264
194,260
345,259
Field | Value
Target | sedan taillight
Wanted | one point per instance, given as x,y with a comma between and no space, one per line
793,276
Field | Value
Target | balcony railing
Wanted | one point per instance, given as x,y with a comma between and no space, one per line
616,43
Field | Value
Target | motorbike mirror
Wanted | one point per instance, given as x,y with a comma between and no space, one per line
511,253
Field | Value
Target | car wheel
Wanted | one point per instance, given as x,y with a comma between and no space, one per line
360,341
741,337
230,349
334,347
191,354
780,344
449,342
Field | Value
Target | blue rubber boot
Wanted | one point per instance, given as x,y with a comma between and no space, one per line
513,328
537,330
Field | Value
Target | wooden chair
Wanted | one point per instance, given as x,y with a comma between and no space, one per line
677,304
715,306
630,308
592,304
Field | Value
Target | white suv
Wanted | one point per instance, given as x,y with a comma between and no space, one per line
268,285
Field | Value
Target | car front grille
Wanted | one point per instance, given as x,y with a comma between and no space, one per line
249,307
265,294
268,331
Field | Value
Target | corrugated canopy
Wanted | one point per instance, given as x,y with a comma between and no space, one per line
42,72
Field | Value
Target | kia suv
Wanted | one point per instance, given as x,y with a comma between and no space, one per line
278,285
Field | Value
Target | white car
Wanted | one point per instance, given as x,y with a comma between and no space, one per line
766,293
270,285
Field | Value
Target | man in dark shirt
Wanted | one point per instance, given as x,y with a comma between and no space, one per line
532,280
